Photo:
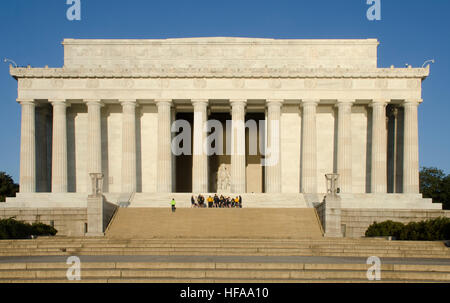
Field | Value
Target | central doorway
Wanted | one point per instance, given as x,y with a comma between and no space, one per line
255,172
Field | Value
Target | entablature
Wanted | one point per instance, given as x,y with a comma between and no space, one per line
285,72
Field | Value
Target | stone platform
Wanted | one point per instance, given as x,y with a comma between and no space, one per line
250,200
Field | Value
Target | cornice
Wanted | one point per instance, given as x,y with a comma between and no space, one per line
27,72
216,40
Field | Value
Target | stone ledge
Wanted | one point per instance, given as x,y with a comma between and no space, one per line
22,72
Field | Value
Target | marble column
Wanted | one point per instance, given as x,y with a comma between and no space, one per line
238,169
379,147
128,146
164,167
94,139
273,167
309,147
200,157
59,147
344,145
27,147
411,148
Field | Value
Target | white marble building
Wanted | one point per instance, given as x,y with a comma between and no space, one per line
109,109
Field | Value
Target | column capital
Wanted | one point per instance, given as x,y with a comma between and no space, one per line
59,102
94,102
238,105
274,102
379,102
163,102
128,102
345,102
24,101
238,101
200,103
199,100
310,102
412,102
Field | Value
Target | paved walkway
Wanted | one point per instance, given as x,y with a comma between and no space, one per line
225,259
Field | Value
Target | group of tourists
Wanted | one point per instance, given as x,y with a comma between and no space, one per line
216,201
212,202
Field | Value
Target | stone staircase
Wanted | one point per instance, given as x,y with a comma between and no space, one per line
220,245
200,260
224,247
135,223
216,272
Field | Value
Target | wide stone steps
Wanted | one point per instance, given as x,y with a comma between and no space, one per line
258,223
219,272
225,247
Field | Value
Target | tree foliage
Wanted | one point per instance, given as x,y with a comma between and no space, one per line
7,186
435,184
428,230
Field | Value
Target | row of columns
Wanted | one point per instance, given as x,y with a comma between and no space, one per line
238,167
200,159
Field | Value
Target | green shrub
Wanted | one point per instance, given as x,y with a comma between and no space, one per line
42,229
429,230
13,229
385,229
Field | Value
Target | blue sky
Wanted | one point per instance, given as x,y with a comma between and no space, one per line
411,31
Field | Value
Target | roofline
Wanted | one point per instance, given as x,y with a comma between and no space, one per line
220,40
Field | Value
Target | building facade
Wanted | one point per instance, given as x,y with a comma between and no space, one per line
110,109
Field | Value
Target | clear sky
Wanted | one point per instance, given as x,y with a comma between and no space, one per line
410,31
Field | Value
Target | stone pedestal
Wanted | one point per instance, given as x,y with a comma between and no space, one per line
95,216
332,216
329,210
95,206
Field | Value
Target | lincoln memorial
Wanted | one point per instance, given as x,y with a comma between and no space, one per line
111,109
